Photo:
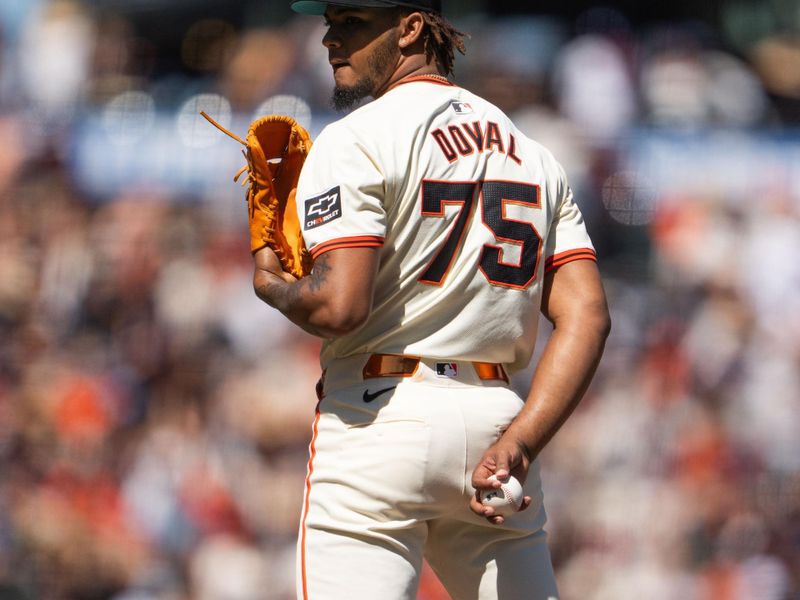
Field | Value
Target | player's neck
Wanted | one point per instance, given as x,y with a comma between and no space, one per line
410,70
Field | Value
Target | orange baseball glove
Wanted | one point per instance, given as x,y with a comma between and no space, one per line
276,149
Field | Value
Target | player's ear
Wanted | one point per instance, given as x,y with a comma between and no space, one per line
411,27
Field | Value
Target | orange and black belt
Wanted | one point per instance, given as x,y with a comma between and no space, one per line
397,365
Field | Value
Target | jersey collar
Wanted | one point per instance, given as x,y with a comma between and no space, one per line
430,78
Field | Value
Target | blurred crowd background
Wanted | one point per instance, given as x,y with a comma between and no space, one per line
154,416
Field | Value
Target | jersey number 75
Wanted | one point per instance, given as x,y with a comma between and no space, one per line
495,196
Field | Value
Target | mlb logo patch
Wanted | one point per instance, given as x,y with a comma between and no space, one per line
447,369
461,108
323,208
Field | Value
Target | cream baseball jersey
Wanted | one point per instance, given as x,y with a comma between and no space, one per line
469,214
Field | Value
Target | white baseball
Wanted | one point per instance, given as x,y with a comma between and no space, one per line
506,499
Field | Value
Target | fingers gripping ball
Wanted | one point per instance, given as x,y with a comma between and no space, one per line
276,149
505,500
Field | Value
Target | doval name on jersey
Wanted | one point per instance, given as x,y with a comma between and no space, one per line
463,139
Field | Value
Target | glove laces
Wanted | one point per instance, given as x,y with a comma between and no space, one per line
249,166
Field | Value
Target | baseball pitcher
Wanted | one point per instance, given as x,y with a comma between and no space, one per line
429,234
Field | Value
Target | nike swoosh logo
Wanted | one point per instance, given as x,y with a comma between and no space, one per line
370,397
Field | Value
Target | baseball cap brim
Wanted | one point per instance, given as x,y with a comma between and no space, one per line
315,7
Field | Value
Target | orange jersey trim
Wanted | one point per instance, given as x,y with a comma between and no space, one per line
558,260
359,241
312,454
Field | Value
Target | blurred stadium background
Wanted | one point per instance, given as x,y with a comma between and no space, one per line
154,416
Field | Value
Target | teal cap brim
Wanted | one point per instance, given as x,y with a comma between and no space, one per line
315,7
309,7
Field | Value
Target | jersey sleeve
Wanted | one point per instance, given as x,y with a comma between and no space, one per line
567,240
339,195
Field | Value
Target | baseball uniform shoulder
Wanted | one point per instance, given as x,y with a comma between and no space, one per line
536,155
338,147
528,145
380,127
402,110
481,106
333,134
359,132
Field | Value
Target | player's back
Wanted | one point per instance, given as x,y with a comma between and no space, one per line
464,206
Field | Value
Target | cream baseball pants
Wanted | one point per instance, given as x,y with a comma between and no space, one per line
389,482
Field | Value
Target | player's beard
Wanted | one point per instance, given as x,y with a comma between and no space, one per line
379,64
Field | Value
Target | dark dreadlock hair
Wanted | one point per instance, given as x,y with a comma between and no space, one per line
442,41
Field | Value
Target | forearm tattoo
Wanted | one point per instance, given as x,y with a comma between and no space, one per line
319,274
291,298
